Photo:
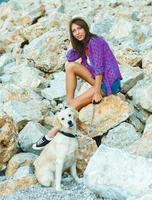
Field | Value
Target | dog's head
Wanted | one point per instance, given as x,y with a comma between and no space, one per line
65,118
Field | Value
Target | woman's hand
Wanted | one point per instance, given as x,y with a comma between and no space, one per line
97,97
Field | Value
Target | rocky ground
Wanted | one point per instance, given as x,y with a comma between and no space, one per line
71,191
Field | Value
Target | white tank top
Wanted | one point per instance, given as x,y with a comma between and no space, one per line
88,61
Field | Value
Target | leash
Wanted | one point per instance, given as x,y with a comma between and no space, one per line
93,114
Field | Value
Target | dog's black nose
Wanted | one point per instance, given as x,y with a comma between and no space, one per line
70,123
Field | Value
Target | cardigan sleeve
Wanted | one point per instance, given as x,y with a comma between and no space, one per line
72,55
97,46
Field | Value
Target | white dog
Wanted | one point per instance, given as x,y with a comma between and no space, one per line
60,153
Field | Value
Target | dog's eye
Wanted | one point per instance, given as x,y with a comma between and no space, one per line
69,115
62,118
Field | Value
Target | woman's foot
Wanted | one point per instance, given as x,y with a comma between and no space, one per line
41,143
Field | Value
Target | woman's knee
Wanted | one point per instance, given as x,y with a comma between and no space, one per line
72,104
70,67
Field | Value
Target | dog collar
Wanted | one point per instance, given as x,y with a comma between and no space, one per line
68,134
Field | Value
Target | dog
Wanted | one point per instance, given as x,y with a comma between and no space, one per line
61,153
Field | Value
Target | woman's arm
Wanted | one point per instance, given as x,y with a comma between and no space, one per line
72,55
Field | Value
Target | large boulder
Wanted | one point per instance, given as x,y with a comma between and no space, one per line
23,178
143,146
116,174
87,147
8,140
19,160
108,114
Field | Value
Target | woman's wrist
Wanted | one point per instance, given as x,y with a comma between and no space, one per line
97,86
96,92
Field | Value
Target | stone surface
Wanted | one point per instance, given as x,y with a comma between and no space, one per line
87,148
56,87
142,94
19,160
121,136
108,114
8,140
128,57
131,75
30,134
22,112
10,186
117,174
143,146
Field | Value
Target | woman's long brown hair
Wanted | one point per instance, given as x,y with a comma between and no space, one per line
76,44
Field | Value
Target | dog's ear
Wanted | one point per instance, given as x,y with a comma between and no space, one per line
56,123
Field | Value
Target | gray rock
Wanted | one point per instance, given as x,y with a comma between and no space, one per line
30,134
116,174
121,136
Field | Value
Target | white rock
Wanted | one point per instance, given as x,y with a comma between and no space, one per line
116,174
30,134
121,136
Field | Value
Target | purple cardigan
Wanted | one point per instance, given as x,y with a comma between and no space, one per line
102,61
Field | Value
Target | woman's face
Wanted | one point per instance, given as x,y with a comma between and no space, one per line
78,32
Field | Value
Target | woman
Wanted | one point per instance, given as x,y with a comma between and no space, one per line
98,67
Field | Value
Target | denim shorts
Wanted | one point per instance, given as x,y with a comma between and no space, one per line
115,87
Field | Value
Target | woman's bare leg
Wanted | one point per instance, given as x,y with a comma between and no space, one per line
73,70
82,100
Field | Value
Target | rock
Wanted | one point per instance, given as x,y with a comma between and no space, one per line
116,174
147,59
145,196
128,57
56,87
10,92
10,186
143,146
121,28
121,136
108,114
22,112
142,94
19,160
4,60
139,126
44,45
142,115
23,75
87,148
8,140
30,134
102,27
131,75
